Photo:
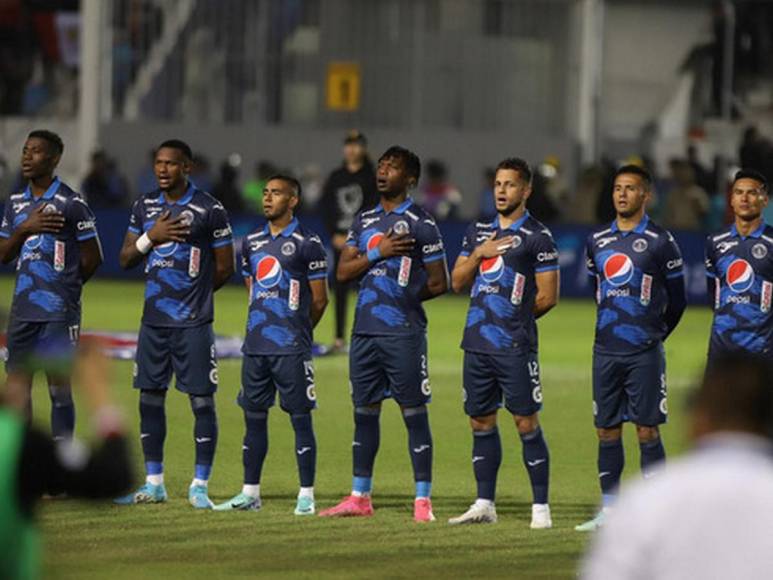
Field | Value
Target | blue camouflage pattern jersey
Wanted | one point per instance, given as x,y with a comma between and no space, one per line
388,302
742,268
501,314
280,269
178,290
631,271
48,279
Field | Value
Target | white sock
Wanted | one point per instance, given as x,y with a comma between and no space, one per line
360,493
251,490
157,479
306,492
201,482
484,502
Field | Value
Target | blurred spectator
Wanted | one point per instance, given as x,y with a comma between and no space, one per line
605,208
226,190
687,204
556,187
757,152
146,178
17,54
438,195
708,514
201,173
487,208
104,186
253,189
703,177
540,205
311,185
582,207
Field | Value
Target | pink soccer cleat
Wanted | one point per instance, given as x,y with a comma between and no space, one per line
422,510
350,506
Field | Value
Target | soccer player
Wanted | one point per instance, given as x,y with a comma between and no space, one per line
183,236
285,269
397,253
637,269
739,269
52,232
511,264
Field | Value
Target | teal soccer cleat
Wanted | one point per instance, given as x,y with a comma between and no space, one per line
240,501
148,493
199,498
305,506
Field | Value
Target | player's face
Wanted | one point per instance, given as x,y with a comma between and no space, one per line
278,199
37,159
171,168
510,191
392,179
748,199
353,153
629,195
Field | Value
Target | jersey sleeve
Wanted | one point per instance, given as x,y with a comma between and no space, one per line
316,259
6,228
353,237
672,264
245,258
135,218
83,220
468,241
220,228
710,258
590,262
429,242
545,252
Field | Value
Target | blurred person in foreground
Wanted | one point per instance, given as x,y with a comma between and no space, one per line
32,463
349,189
709,514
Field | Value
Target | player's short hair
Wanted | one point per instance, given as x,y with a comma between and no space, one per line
631,169
294,184
752,174
516,164
55,143
178,144
409,158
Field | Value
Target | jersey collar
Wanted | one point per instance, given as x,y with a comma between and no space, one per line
400,209
285,233
49,193
516,225
184,200
639,229
755,234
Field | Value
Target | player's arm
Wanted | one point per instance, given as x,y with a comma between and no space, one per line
136,247
353,264
225,265
711,271
548,284
91,257
675,286
467,264
318,300
437,280
89,246
38,222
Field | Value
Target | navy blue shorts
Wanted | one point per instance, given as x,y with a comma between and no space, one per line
489,378
291,375
189,352
39,339
630,388
389,366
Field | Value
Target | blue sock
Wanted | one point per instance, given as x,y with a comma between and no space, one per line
419,442
652,457
610,464
486,459
62,412
255,446
423,489
362,485
154,468
204,432
305,448
536,458
152,426
367,435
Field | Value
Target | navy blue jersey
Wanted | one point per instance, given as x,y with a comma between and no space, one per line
281,267
178,291
743,273
631,270
501,314
48,279
388,302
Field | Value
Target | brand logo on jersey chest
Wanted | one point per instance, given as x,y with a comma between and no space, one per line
618,269
759,251
640,245
491,268
269,272
740,275
374,240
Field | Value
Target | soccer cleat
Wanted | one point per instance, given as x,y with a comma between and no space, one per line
477,514
540,517
199,498
305,506
350,506
148,493
422,510
594,524
241,501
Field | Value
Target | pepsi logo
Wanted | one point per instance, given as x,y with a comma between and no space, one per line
740,275
374,240
618,269
33,242
165,250
269,272
491,268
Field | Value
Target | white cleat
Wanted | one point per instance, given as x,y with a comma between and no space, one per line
540,517
478,513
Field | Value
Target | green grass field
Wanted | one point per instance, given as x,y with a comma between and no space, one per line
96,541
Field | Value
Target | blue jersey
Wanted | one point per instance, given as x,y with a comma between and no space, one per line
388,302
743,273
280,268
631,270
48,279
178,291
501,315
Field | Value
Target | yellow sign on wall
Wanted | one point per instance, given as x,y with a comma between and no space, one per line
343,86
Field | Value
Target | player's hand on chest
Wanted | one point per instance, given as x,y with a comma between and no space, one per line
173,225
